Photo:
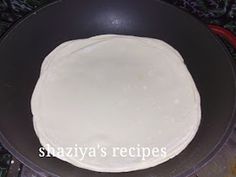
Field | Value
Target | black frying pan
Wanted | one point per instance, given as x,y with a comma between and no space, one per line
23,49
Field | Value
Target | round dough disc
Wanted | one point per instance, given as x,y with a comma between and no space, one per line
114,92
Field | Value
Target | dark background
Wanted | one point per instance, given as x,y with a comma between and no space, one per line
219,12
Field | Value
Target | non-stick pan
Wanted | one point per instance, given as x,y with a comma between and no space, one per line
24,47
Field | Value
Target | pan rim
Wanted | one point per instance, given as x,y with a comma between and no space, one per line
6,144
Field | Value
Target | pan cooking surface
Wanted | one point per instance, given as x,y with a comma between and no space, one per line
23,49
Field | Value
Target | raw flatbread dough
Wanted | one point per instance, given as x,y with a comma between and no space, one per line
115,91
